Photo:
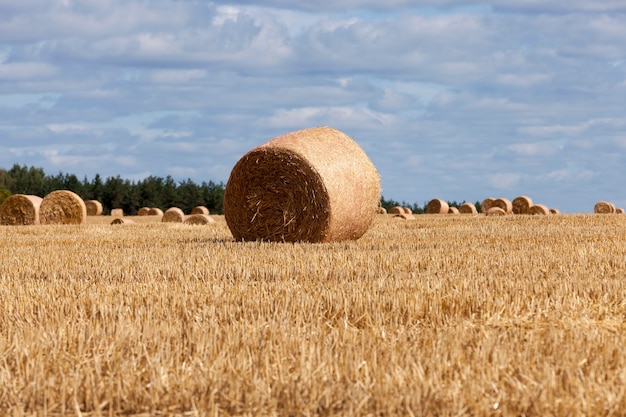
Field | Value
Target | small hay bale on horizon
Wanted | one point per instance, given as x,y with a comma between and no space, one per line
123,220
94,207
173,215
155,211
199,219
396,210
144,211
117,212
495,211
381,210
437,206
604,207
62,207
504,204
522,204
200,210
20,210
555,211
312,185
619,210
407,210
453,210
468,208
539,209
486,204
403,216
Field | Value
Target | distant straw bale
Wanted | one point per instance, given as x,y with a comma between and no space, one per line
123,220
199,219
604,207
62,207
437,206
495,211
144,211
155,211
504,204
539,209
486,204
453,210
396,210
173,215
313,185
20,210
555,211
117,212
619,210
404,216
407,210
94,207
522,204
468,208
381,210
200,210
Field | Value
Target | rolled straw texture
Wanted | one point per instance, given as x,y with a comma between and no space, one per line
468,208
123,220
486,204
144,211
94,207
199,218
154,211
313,185
504,204
453,210
173,215
20,210
381,210
396,210
117,212
407,210
62,207
200,210
539,209
521,204
555,211
495,211
437,206
404,216
619,210
604,207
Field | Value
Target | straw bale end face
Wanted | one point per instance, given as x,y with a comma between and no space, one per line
312,185
62,207
20,209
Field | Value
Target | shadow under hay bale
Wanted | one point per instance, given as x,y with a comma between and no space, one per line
62,207
313,185
20,210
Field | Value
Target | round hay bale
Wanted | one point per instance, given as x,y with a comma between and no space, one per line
313,185
407,210
522,204
495,211
173,215
619,210
154,211
604,207
396,210
144,211
200,210
94,207
117,212
122,220
486,204
20,210
62,207
403,216
555,211
453,210
504,204
199,218
437,206
468,208
381,210
538,209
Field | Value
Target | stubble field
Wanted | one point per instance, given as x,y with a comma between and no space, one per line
442,315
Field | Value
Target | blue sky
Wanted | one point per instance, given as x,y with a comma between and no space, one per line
450,99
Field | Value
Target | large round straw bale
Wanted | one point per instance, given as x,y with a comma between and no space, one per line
314,185
122,220
62,207
468,208
437,206
504,204
604,207
199,218
555,211
117,212
94,207
396,210
539,209
486,204
522,204
144,211
453,210
495,211
381,210
200,210
20,209
155,211
173,215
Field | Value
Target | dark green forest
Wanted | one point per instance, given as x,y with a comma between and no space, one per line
116,192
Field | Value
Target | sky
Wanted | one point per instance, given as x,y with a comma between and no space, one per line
450,99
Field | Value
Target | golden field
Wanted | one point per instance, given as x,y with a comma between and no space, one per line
439,316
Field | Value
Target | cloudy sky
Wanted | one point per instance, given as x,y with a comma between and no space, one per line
450,99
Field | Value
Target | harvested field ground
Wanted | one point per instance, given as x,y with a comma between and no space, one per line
441,315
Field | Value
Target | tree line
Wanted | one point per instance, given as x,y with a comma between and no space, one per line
115,192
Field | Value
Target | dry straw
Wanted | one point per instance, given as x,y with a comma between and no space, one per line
495,211
381,210
504,204
122,220
62,207
539,209
437,206
604,207
486,204
20,210
453,210
200,210
199,219
154,211
117,212
522,204
94,207
144,211
173,215
468,208
396,210
314,185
